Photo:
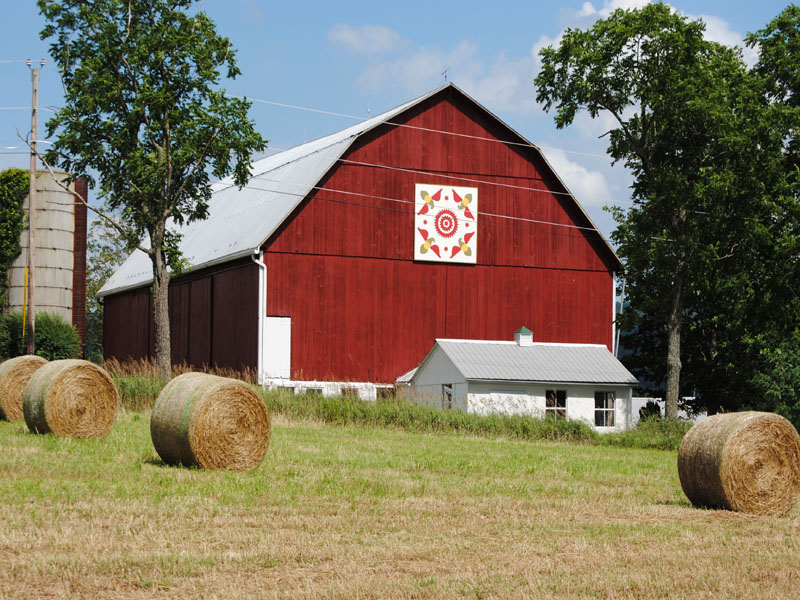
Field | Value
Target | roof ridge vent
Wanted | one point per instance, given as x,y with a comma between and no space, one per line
523,337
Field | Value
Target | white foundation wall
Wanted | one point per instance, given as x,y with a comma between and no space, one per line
529,399
328,389
484,399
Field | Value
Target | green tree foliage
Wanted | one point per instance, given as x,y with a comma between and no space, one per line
14,185
777,383
144,111
699,243
106,251
11,335
55,338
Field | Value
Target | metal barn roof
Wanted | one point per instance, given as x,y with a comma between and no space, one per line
540,362
240,221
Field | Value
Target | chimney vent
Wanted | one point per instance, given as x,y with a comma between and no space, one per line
523,336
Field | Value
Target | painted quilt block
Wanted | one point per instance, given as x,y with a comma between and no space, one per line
445,223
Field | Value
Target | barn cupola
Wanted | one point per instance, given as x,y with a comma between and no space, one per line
523,336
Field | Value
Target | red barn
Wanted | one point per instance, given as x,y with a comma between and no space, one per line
343,259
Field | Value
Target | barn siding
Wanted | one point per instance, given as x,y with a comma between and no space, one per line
79,259
342,268
371,320
213,319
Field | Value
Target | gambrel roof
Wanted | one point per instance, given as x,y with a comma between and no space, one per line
240,221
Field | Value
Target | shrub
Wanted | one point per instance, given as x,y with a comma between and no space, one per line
54,339
661,434
11,335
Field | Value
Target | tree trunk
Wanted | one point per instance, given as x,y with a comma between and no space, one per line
161,315
674,344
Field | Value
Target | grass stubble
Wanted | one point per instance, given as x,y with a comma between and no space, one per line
357,512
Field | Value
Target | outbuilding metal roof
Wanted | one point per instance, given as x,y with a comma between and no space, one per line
240,221
540,362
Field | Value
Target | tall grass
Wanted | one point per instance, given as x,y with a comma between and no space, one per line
400,414
139,384
661,434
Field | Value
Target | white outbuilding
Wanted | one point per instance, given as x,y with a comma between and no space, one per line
581,382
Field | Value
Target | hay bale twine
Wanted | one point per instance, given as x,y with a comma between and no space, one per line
70,398
211,422
747,462
14,376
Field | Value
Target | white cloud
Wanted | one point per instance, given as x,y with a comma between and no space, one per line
719,30
507,85
368,39
504,85
589,11
589,187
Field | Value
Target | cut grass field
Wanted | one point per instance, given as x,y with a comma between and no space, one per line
349,511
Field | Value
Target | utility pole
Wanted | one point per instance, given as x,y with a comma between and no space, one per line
32,208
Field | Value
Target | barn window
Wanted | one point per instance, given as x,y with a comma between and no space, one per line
604,409
384,392
349,391
555,406
447,396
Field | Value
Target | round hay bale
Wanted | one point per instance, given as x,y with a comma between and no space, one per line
70,398
211,422
14,376
747,462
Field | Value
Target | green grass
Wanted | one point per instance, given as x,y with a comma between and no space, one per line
661,434
399,414
139,391
352,510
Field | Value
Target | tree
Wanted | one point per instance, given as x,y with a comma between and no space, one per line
777,378
143,111
106,251
13,191
681,106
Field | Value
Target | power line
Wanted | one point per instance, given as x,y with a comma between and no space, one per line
445,175
406,203
388,122
26,108
401,201
305,108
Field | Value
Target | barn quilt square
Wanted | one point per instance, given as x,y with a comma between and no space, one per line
445,223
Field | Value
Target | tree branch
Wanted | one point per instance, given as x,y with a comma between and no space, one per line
636,143
98,211
201,157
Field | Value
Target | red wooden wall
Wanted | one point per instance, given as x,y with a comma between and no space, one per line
79,260
213,319
342,268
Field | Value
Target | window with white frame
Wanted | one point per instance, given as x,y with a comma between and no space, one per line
555,404
604,409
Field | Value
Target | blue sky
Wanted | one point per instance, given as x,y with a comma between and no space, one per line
361,58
